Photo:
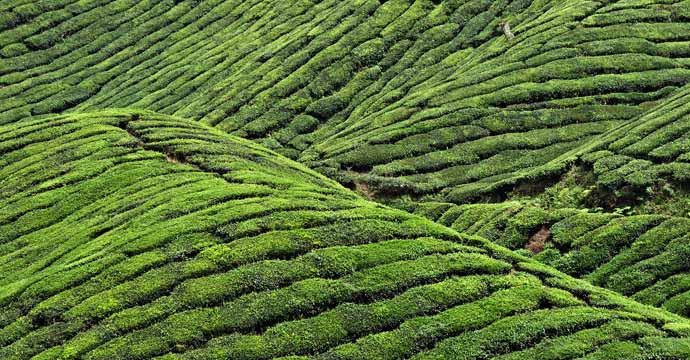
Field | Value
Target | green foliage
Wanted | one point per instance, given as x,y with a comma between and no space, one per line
129,234
173,239
636,255
414,93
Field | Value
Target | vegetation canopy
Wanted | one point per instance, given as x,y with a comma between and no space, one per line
357,179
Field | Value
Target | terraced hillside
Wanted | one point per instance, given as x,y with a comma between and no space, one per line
415,97
641,256
641,153
174,179
170,238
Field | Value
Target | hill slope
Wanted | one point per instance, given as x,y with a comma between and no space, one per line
171,238
204,213
417,97
642,256
647,152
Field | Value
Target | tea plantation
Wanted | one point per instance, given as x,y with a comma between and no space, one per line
419,97
132,235
642,256
345,179
640,153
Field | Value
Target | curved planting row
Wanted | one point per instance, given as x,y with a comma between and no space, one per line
133,235
641,256
417,97
647,153
489,115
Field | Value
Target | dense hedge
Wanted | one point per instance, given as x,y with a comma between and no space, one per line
648,152
407,93
642,256
170,238
136,234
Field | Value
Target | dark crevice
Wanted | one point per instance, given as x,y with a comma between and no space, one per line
538,238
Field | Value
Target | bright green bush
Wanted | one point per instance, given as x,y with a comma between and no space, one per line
174,239
169,237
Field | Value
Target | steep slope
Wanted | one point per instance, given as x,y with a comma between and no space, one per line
646,152
642,256
517,110
417,97
128,234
